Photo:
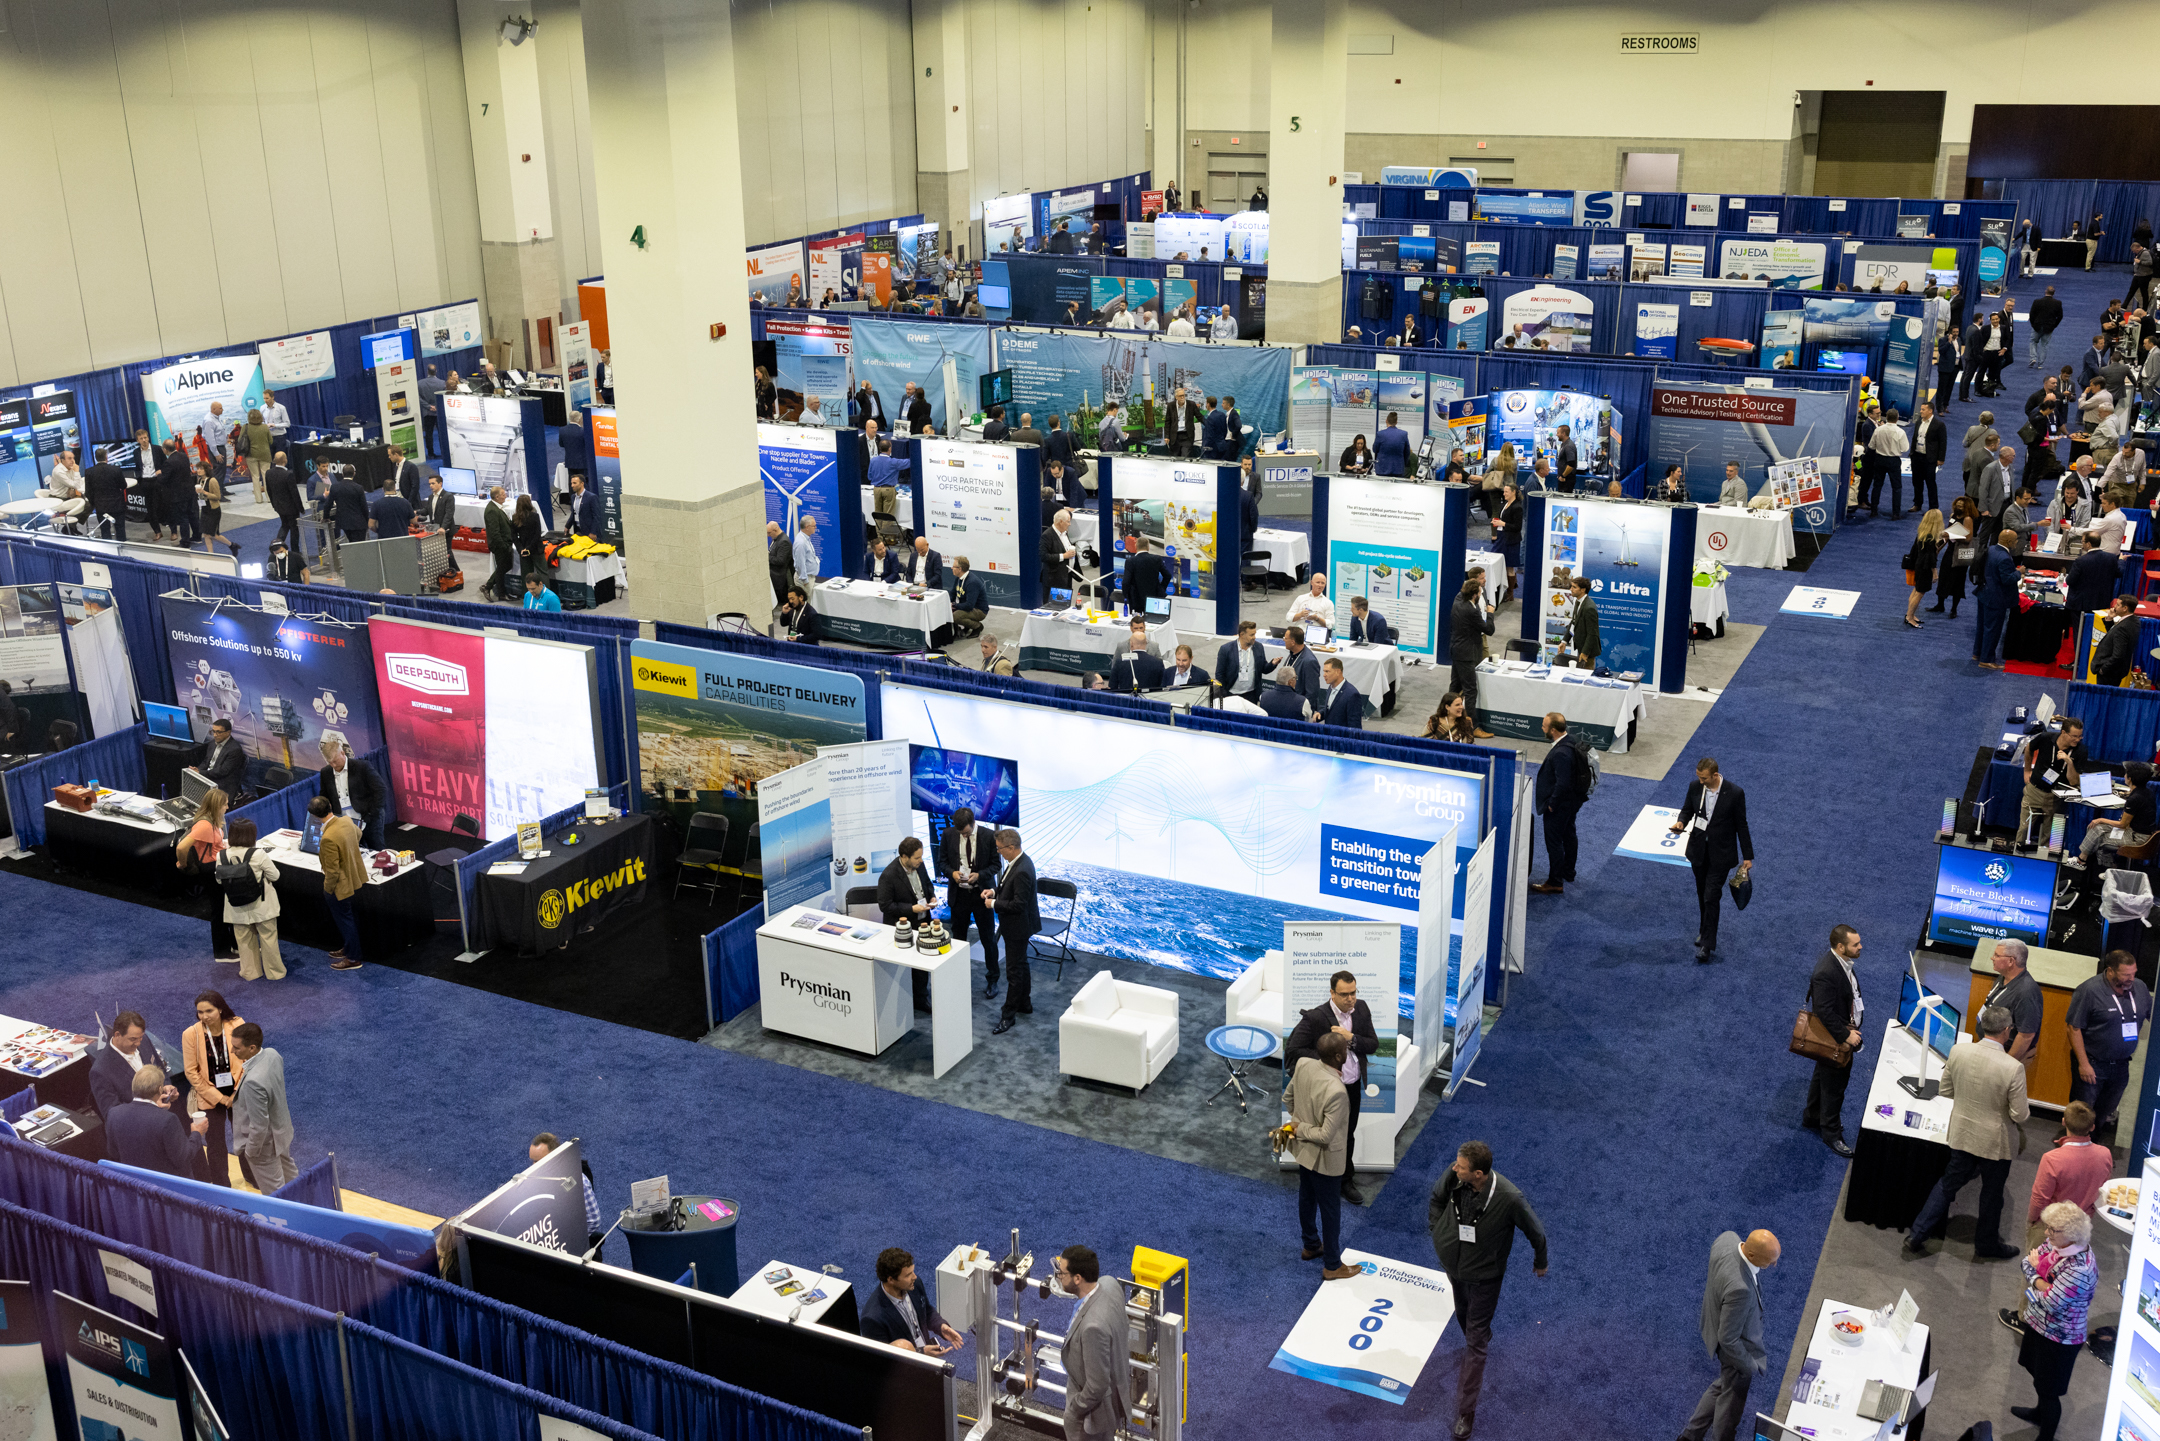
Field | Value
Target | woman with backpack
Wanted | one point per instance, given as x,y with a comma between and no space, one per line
196,855
248,880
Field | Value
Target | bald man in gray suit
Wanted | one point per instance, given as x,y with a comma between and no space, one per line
1732,1331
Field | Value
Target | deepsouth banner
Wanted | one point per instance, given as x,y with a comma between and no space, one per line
1468,318
1701,428
454,327
795,838
285,683
1402,394
801,470
1620,548
775,270
412,1247
811,359
1172,504
1193,850
1380,545
122,1375
577,363
177,399
607,473
543,1205
1466,993
971,507
1059,373
462,730
297,359
1312,953
868,784
1657,329
1370,1333
712,726
890,353
25,1395
1786,264
1558,316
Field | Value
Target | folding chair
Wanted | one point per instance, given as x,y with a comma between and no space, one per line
703,845
1057,930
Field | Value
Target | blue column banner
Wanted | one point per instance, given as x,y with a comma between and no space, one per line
1902,351
801,472
1657,329
1994,255
1467,318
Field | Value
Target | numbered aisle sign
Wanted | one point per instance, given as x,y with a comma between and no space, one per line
1651,837
1371,1332
1811,600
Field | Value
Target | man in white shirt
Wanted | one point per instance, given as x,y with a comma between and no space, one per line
1184,673
812,411
1313,607
1734,491
1180,326
925,567
1224,326
275,417
806,555
2106,533
66,480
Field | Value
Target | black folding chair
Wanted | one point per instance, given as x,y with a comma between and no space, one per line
1056,930
442,870
703,846
1248,572
861,896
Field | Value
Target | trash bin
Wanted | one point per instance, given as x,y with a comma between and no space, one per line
707,1239
2126,900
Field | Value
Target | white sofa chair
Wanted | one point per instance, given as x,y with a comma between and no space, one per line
1118,1032
1257,998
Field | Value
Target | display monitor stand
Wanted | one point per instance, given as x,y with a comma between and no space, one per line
1919,1087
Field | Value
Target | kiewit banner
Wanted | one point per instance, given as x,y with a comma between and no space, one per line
1700,429
1786,264
1619,547
297,359
122,1375
285,683
544,1205
177,399
1380,540
1372,1332
971,507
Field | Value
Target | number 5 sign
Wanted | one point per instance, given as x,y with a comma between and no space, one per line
1371,1332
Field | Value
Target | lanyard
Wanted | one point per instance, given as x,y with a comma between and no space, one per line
2115,999
1483,1204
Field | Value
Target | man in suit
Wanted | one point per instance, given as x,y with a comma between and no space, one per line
441,509
1059,552
1562,787
1714,815
1342,1015
1097,1354
1181,423
148,1133
1582,632
1987,1089
968,857
1241,666
432,387
1368,625
995,427
1214,430
1391,449
1058,444
404,476
2117,651
262,1122
1183,673
1469,622
1137,667
798,619
1343,705
2095,361
1061,241
1732,1331
1991,485
1300,658
779,560
224,761
1233,428
106,485
1322,1126
880,563
1285,699
283,488
1027,434
129,1047
353,789
176,482
1062,482
1019,917
347,506
1146,574
1931,443
907,892
898,1312
389,513
969,604
1473,1215
924,567
584,517
1834,997
1996,592
576,445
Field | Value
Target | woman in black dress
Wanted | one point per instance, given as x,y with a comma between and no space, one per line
1956,554
1507,533
1356,457
1920,563
525,533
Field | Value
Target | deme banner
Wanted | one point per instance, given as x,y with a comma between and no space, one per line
1701,428
177,398
890,353
1381,537
801,470
1058,373
285,683
1192,850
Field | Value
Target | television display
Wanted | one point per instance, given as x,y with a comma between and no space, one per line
170,721
942,781
458,481
995,297
996,388
1986,896
1846,362
1942,1024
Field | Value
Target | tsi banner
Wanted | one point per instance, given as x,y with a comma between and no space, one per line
121,1374
177,399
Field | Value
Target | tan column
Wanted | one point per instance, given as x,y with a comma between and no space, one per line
509,143
943,182
1307,75
667,161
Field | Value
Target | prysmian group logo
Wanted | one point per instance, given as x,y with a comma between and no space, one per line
819,993
426,673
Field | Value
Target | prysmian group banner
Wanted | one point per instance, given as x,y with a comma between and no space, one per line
544,1205
800,867
971,507
177,399
801,468
1701,428
1381,545
122,1375
1620,548
1180,858
1786,264
285,683
1313,951
1058,373
890,353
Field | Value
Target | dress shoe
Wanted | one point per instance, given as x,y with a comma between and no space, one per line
1914,1248
1837,1143
1462,1427
1310,1253
1005,1023
990,991
1340,1273
1351,1193
1548,888
1482,734
1996,1252
2026,1413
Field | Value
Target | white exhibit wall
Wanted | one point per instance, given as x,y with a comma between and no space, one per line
190,177
1059,92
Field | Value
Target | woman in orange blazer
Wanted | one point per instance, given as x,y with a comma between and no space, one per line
214,1074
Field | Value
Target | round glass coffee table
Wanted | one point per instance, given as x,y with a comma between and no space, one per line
1239,1047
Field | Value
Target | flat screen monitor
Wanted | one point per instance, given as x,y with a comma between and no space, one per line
995,297
1986,896
1768,1430
170,721
1940,1024
996,388
458,481
942,781
120,452
1846,362
311,836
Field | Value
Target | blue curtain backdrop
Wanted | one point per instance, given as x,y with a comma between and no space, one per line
115,760
287,809
316,1186
731,975
411,1394
2120,724
2054,205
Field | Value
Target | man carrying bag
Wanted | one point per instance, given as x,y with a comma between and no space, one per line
1828,1033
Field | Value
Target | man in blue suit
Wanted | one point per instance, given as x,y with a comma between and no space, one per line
146,1133
128,1048
1391,449
899,1312
1214,430
576,445
1344,706
1997,594
1367,624
1233,429
584,508
880,563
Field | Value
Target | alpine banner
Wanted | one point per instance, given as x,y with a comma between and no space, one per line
177,399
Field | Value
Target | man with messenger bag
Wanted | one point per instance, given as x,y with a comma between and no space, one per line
1828,1033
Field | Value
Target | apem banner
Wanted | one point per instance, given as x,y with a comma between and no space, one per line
1703,428
890,353
1059,373
177,399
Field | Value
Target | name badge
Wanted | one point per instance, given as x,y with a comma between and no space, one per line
224,1078
1466,1234
2050,776
2130,1031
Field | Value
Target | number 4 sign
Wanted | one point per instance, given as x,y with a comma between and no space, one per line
1371,1332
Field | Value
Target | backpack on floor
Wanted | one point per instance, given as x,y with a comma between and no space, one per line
237,879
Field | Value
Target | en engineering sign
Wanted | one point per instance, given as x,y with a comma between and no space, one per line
1666,42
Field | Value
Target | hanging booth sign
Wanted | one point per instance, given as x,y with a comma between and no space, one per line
176,400
298,359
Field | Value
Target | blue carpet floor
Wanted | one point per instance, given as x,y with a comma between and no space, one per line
1643,1103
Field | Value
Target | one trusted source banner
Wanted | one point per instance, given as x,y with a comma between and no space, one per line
122,1375
1371,1332
1703,428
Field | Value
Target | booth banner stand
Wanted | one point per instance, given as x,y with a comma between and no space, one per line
1312,397
176,400
1624,550
800,466
1703,428
1182,510
795,832
1466,1001
122,1375
982,501
1380,542
1352,411
502,440
543,1205
868,784
397,397
2133,1396
1438,944
1518,877
1370,1333
1313,951
606,474
577,365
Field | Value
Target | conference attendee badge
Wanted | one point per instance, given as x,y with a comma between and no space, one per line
2130,1031
1466,1234
224,1078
